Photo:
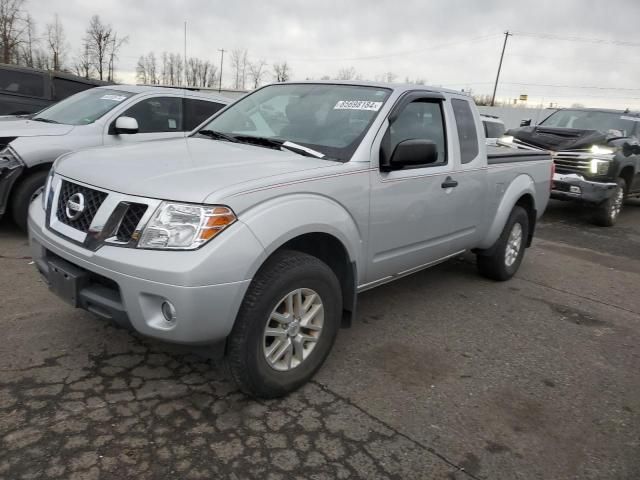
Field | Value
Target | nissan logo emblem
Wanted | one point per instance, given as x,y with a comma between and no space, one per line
75,206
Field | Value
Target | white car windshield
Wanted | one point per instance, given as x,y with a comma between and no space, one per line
329,119
84,107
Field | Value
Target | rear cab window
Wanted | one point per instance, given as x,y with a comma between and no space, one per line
466,126
493,129
64,88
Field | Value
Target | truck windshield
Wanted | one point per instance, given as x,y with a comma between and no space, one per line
330,119
84,107
619,124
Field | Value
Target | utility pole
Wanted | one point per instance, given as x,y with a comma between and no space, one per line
186,83
222,50
504,46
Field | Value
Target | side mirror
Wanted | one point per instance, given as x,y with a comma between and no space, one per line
629,149
126,125
412,153
525,122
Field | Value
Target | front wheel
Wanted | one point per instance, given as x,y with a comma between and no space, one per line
502,261
607,212
24,193
286,326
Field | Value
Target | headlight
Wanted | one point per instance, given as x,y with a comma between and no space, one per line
599,167
47,193
599,150
183,226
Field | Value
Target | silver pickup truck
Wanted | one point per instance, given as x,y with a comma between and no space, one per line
254,235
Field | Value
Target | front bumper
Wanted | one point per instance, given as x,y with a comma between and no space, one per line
576,187
129,286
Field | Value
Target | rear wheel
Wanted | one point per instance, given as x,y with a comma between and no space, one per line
607,212
286,326
24,193
502,261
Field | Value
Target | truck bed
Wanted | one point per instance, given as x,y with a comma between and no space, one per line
498,155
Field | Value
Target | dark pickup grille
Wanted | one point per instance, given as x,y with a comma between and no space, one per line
130,221
92,201
566,163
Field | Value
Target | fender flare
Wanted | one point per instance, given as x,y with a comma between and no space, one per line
281,219
520,186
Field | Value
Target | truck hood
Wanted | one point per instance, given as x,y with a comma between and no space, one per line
558,139
186,169
20,127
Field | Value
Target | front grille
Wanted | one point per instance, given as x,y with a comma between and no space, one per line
572,162
130,220
92,201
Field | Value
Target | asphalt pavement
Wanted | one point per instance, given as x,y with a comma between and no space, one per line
443,375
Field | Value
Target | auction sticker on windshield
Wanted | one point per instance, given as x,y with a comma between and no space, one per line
114,98
358,105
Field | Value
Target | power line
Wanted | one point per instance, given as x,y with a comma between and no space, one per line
550,36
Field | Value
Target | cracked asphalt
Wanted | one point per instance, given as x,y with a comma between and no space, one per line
443,375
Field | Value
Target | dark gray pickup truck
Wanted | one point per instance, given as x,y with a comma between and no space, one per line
28,90
596,154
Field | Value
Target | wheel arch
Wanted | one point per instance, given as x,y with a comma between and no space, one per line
521,192
627,174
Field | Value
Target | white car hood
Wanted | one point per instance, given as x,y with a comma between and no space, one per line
30,128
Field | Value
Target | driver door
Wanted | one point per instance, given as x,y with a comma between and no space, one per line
157,117
411,210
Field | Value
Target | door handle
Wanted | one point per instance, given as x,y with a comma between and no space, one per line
449,183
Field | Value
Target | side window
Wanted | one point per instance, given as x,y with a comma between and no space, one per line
466,130
157,114
65,88
420,120
197,111
23,83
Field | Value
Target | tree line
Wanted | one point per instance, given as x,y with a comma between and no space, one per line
22,43
170,68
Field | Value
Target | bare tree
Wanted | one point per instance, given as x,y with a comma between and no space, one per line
348,73
257,72
56,42
141,70
281,71
82,65
99,38
239,63
12,28
30,41
114,48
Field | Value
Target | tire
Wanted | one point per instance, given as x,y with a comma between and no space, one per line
23,194
607,212
285,273
502,261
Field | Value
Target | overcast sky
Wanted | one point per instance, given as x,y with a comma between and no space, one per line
453,43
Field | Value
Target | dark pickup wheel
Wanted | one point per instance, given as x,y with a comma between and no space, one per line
607,212
502,261
286,326
23,194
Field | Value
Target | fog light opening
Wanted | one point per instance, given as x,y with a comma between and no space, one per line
168,311
574,189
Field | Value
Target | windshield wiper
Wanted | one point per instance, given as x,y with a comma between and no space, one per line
281,144
217,135
45,120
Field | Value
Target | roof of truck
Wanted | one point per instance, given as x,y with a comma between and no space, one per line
603,110
367,83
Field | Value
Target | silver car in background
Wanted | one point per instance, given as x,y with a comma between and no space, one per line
103,116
